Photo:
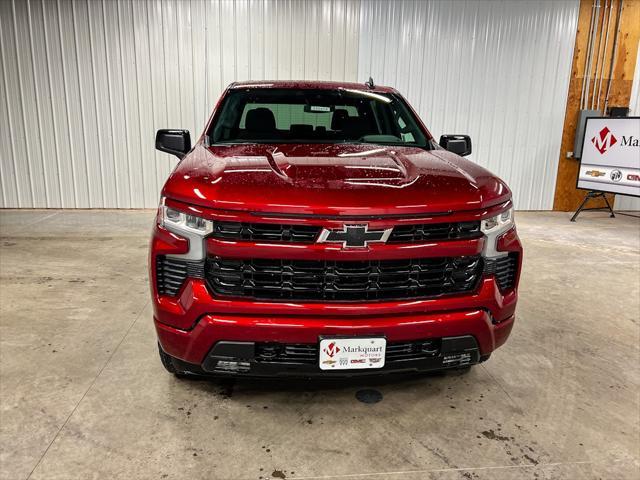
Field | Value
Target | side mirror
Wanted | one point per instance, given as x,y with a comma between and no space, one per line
458,144
175,142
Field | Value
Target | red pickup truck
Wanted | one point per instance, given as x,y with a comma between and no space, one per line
317,228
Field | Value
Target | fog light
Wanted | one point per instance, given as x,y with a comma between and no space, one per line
233,366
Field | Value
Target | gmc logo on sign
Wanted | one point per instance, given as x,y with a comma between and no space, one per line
604,140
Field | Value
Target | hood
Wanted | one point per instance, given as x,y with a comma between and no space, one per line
333,179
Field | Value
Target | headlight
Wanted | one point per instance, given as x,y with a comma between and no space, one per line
493,228
185,222
189,226
500,223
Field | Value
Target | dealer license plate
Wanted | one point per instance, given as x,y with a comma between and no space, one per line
352,353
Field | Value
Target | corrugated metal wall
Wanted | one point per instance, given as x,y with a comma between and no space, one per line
498,71
86,83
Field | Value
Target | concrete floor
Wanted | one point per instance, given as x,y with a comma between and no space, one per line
83,394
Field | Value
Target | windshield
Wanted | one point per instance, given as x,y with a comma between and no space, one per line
287,115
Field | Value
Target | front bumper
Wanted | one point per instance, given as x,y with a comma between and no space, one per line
201,348
243,359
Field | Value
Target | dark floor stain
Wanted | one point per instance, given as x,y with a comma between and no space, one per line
278,474
226,390
490,434
368,395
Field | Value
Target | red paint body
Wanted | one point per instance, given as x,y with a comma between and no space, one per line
328,185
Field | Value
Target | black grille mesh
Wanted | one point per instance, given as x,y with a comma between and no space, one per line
265,232
272,232
171,274
313,280
342,280
308,353
435,231
505,270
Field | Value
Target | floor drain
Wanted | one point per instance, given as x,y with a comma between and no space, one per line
369,395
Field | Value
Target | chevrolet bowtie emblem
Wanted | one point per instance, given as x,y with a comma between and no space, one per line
354,236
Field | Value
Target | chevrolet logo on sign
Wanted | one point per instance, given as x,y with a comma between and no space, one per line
594,173
354,236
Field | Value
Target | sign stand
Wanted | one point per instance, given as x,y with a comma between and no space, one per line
609,161
593,194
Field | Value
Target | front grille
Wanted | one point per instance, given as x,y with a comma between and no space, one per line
308,353
171,273
505,270
278,352
273,232
264,232
435,231
342,280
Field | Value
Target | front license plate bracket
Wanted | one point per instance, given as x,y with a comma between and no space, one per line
352,353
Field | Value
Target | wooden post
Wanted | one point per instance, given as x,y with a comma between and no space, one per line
567,196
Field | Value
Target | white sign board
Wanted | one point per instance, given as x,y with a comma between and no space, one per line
611,156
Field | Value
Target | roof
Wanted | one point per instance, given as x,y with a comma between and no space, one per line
310,84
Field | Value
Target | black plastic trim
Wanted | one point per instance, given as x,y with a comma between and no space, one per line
464,348
504,268
342,281
172,273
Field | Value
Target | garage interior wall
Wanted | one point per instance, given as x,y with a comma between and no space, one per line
623,202
86,83
615,68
